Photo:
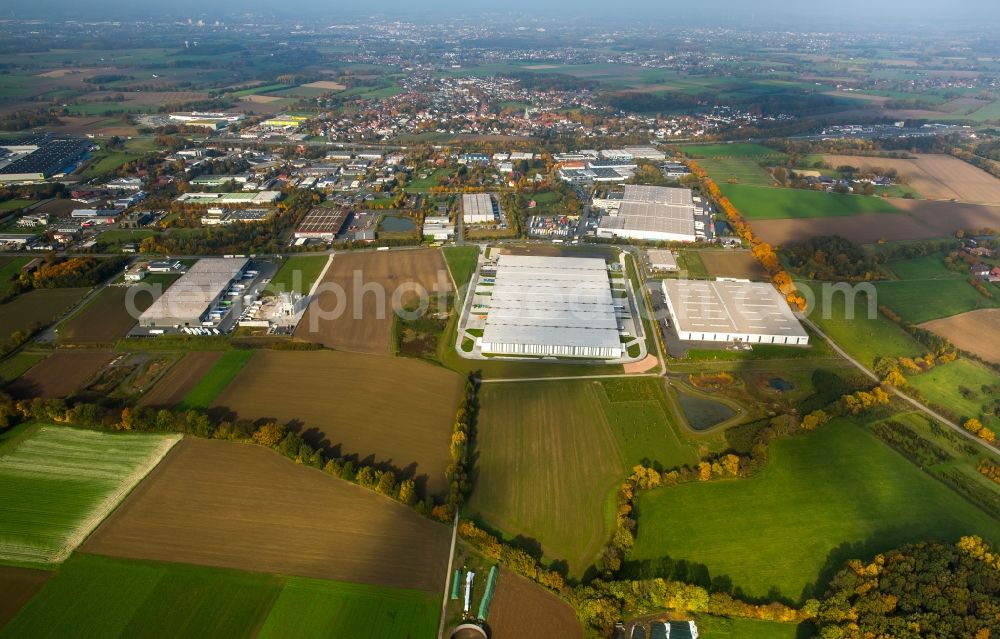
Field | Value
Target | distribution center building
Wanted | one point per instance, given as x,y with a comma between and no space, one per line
477,208
731,311
653,213
190,299
552,307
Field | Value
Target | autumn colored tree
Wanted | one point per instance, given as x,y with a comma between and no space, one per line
269,434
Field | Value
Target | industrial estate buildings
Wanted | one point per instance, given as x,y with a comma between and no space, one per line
552,306
731,311
192,299
652,213
231,199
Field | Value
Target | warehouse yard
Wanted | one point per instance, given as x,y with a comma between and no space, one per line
397,410
229,505
364,321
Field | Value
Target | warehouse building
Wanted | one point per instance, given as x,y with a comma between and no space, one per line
231,199
731,311
551,307
479,208
662,260
651,213
322,223
193,298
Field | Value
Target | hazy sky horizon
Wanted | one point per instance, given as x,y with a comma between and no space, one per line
881,15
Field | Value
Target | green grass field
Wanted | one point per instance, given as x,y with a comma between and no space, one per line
10,205
9,270
93,597
298,273
765,203
745,170
216,380
102,597
106,162
989,113
943,384
57,484
864,338
313,608
736,628
568,441
18,364
834,494
462,262
712,151
426,183
639,415
926,290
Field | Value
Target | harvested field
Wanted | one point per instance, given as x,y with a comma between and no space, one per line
180,379
97,125
104,318
523,610
217,503
36,308
739,264
936,177
399,411
366,288
977,332
59,375
17,587
325,84
921,220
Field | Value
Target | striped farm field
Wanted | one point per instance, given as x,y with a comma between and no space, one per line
57,484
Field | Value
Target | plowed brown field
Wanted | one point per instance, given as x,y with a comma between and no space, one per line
217,503
921,220
17,587
364,321
977,332
399,411
523,610
59,375
104,319
739,264
180,379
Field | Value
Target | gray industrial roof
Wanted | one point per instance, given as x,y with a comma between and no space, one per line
653,209
189,297
477,205
730,307
563,301
657,195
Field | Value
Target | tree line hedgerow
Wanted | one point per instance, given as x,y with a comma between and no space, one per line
384,481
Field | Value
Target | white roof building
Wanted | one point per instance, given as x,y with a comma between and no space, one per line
190,298
655,213
552,306
477,208
731,311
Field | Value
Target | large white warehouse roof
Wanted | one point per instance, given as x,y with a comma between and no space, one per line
552,306
726,311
